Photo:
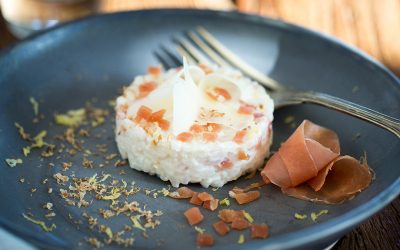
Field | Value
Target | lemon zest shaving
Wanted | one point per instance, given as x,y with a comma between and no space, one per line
13,162
72,118
300,216
314,216
136,223
42,224
225,202
241,239
35,105
248,217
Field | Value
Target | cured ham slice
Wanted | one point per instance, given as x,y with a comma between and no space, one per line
308,166
341,180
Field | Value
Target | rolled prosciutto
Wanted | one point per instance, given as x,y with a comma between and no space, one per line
309,166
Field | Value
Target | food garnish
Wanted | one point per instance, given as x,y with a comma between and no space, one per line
241,239
182,193
300,216
136,223
240,224
225,202
38,141
195,200
22,132
314,216
229,215
72,118
42,224
205,240
199,229
221,228
204,196
13,162
308,166
245,197
259,231
35,106
248,217
194,216
211,204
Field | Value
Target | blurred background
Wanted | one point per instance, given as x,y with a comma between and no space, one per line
371,25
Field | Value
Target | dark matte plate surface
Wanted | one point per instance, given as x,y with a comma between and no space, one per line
95,57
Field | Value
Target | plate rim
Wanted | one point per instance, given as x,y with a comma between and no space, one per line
303,237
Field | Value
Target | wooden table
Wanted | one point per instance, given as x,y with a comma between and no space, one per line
372,25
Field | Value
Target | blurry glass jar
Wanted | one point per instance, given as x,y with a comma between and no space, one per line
24,17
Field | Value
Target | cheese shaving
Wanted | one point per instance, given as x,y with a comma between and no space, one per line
199,229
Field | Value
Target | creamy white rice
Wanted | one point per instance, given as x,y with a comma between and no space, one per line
158,151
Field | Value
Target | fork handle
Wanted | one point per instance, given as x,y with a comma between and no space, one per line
387,122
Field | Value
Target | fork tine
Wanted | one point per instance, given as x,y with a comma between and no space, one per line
206,49
236,61
196,53
165,63
183,53
175,60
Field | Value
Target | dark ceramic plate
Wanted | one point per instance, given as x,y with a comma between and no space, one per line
95,57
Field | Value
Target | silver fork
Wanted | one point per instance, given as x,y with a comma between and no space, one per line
211,48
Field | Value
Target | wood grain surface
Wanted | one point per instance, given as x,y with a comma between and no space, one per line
371,25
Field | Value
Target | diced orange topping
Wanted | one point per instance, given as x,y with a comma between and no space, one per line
211,204
225,164
157,116
205,68
222,92
210,136
218,92
143,113
147,87
254,185
221,228
194,216
243,198
183,193
204,196
242,155
163,124
229,215
205,240
184,137
259,231
154,70
240,224
195,199
239,136
246,110
213,127
196,128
